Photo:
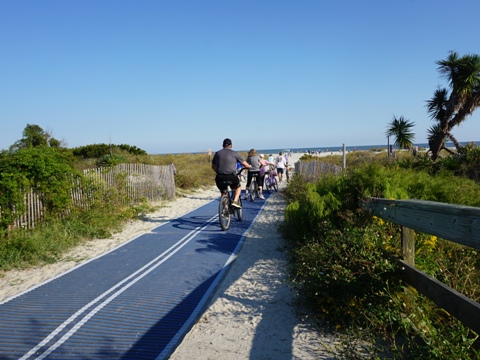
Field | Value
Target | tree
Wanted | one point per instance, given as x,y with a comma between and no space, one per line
35,136
451,109
401,129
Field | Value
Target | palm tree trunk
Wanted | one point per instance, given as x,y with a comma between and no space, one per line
436,144
455,142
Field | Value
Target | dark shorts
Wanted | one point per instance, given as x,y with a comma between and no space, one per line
220,180
280,170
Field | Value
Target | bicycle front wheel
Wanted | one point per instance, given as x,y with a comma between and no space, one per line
275,184
224,213
240,211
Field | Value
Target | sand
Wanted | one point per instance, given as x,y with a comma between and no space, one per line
251,316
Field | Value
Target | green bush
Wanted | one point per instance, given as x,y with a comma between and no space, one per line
45,170
96,151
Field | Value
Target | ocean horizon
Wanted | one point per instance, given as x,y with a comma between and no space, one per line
273,151
349,148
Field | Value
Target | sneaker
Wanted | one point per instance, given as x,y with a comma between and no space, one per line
261,197
236,205
245,197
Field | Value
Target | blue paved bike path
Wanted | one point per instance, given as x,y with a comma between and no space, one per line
135,302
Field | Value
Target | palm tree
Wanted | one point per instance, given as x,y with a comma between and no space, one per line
450,110
401,129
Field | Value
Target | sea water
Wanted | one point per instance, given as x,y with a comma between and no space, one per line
348,148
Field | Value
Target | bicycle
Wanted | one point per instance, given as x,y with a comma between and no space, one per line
225,208
254,186
271,183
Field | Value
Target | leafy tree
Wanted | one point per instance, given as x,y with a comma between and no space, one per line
451,109
35,136
401,129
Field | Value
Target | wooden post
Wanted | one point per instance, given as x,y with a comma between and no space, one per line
408,245
344,157
388,146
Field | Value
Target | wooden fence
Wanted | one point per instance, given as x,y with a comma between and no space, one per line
312,170
139,181
460,224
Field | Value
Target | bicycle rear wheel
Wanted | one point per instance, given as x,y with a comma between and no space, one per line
267,183
224,212
275,184
253,189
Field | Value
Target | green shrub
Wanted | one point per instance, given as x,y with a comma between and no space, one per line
45,170
110,160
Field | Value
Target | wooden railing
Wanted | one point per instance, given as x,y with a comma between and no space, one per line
151,182
460,224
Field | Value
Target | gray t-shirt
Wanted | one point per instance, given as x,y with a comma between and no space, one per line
226,160
255,162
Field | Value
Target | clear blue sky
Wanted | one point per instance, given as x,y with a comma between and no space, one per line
179,76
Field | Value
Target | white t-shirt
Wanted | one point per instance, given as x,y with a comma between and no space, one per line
281,162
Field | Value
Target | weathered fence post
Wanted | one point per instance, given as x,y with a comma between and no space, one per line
408,245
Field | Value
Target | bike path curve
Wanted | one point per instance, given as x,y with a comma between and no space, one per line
137,301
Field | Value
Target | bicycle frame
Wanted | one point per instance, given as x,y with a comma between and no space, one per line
271,181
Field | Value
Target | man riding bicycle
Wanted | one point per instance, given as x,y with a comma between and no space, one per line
224,163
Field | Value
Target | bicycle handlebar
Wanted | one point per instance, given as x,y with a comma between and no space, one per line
239,171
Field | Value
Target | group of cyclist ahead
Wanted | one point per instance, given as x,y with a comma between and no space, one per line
228,166
227,163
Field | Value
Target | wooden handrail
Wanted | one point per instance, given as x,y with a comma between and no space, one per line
456,223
